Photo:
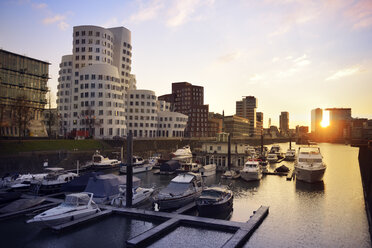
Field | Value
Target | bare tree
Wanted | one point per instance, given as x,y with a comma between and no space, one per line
23,113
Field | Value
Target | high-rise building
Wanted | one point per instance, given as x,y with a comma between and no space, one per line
284,122
316,119
93,82
188,99
23,80
246,108
259,124
339,122
237,126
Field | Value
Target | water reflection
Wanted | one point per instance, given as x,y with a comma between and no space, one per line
310,187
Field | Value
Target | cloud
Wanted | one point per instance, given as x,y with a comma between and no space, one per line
275,59
39,5
111,22
229,57
302,61
359,14
344,73
149,12
59,19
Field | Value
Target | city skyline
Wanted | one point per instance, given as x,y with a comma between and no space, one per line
292,56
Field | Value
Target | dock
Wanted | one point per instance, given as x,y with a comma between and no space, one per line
242,230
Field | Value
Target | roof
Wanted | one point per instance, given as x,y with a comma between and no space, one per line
24,56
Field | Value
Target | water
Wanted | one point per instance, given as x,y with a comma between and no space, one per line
327,214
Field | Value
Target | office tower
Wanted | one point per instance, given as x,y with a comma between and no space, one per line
259,124
284,122
23,80
316,119
246,108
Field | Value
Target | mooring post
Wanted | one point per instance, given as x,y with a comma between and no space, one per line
229,152
129,187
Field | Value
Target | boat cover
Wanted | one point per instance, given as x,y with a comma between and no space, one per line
170,166
176,188
104,186
78,184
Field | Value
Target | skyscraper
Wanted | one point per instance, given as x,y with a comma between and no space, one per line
339,122
93,82
316,119
246,108
284,122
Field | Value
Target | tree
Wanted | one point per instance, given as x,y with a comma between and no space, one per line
23,113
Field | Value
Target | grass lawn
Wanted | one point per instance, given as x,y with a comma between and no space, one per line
13,146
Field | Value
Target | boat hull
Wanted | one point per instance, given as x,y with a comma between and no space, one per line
309,175
177,202
212,210
251,175
137,169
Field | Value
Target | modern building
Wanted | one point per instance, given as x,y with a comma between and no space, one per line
93,81
339,123
246,108
23,88
316,119
237,126
215,122
284,123
149,118
188,99
259,123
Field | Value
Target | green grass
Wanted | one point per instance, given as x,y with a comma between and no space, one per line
13,147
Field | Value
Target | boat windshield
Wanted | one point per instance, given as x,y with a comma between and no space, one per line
176,188
211,193
72,200
310,160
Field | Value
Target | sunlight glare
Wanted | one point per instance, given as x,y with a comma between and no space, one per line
325,120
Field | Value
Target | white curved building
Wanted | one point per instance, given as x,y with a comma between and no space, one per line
146,116
93,81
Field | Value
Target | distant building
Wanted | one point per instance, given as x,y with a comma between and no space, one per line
188,99
339,123
284,122
214,124
259,124
316,119
22,77
357,127
237,126
246,108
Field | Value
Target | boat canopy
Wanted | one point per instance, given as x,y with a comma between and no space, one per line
78,184
77,199
170,166
184,178
174,188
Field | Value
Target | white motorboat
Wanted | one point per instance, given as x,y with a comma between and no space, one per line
183,153
75,206
230,174
21,182
290,155
309,166
52,182
251,171
182,190
139,195
188,167
277,150
272,158
208,170
138,165
101,162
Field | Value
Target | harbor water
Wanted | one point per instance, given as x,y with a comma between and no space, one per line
327,214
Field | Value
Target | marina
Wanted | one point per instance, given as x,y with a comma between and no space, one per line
287,201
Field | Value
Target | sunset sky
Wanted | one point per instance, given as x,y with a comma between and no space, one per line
292,55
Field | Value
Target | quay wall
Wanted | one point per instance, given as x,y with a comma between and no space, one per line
32,161
365,164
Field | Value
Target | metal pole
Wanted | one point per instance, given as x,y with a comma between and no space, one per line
229,152
129,187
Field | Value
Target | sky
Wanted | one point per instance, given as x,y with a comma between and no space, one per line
292,55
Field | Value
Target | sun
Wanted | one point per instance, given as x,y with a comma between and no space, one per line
325,120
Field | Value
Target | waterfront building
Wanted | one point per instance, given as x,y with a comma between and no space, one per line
214,124
246,108
237,126
284,123
259,123
23,81
93,81
316,119
149,118
188,99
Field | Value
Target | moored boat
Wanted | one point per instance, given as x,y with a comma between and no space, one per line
290,155
215,201
139,195
138,165
182,190
309,166
208,170
251,171
230,174
101,162
75,206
